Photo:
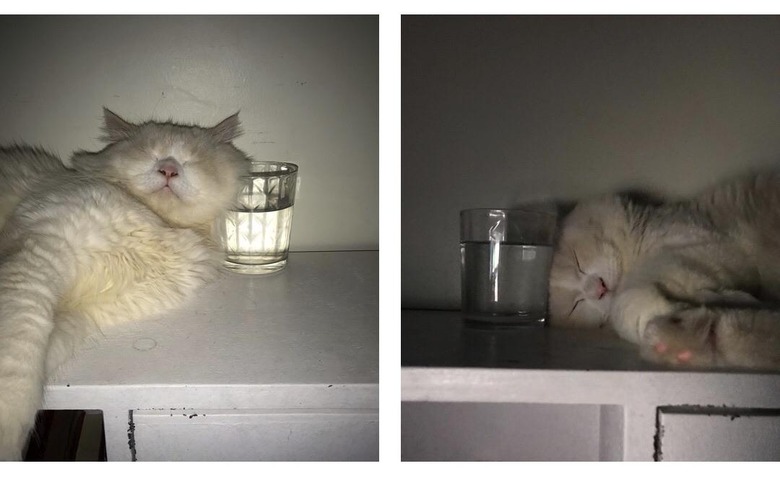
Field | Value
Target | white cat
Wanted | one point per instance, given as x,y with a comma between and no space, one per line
693,283
116,236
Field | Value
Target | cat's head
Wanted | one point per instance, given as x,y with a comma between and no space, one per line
186,174
588,263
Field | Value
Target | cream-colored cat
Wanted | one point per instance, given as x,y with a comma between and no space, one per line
115,236
693,283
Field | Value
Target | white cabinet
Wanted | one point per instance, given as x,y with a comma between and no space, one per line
249,435
456,431
705,433
545,394
283,366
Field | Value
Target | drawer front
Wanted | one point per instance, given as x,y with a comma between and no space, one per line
707,433
255,435
450,431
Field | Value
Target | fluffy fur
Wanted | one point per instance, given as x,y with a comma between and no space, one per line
117,235
692,283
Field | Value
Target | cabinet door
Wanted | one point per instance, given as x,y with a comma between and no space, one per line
441,431
255,435
705,433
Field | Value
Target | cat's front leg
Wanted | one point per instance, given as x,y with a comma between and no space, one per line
746,336
710,334
632,309
749,337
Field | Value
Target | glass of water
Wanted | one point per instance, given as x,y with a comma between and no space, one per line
506,256
255,231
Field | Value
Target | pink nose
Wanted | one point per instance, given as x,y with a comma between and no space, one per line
168,170
595,287
601,289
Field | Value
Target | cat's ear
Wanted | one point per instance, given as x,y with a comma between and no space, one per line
115,128
227,129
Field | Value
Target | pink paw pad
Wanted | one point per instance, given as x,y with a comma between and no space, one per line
660,348
684,356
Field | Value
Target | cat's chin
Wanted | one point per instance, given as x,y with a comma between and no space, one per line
167,191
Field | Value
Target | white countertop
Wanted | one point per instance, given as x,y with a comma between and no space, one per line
313,323
443,358
446,360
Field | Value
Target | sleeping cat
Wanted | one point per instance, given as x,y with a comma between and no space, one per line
692,283
115,236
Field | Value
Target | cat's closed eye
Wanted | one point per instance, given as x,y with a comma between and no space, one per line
576,303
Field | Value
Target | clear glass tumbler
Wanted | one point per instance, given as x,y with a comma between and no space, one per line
255,232
506,256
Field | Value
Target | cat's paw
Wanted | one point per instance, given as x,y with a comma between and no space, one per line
683,338
634,308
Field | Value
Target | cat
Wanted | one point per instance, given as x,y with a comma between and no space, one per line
106,237
694,283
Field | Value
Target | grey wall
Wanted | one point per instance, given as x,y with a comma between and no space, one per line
501,110
307,89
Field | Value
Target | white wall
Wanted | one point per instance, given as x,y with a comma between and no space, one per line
307,89
497,111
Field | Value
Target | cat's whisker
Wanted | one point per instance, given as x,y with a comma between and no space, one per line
576,303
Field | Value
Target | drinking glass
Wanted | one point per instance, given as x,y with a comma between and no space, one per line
506,256
255,231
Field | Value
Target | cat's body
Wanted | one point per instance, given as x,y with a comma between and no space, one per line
694,282
118,235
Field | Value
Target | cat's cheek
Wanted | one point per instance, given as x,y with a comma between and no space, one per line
147,185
